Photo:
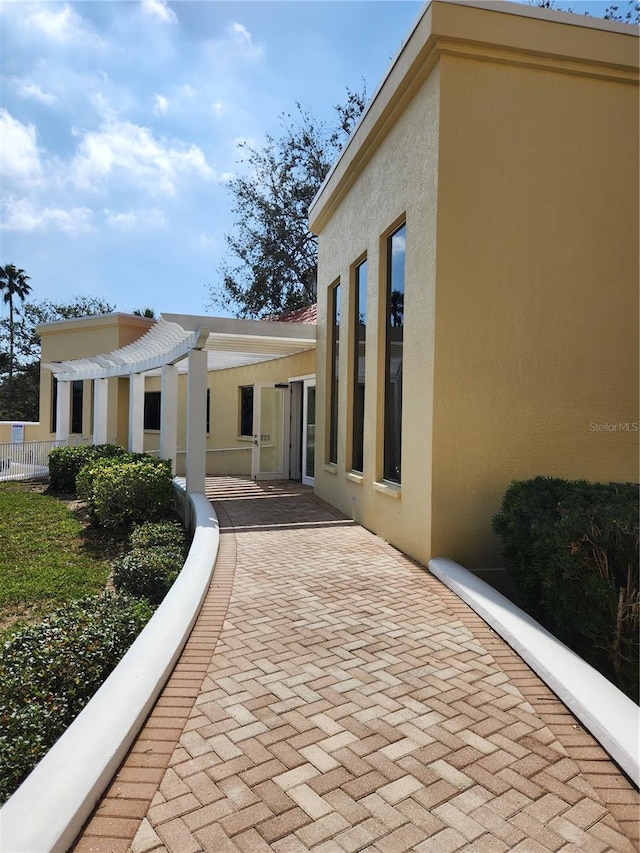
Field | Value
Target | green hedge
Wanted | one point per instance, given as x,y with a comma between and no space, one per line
572,549
126,491
65,463
49,671
156,557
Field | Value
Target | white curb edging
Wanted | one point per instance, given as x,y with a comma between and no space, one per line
51,806
611,717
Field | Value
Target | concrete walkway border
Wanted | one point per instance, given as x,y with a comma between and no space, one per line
611,717
49,809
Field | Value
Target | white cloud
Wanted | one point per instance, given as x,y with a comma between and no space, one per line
241,36
159,9
19,155
154,164
27,89
218,107
206,241
160,105
129,220
60,24
21,214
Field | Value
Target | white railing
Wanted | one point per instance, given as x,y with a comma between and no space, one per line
28,460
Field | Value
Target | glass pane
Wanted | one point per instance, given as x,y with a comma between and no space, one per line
310,432
271,400
246,410
396,249
334,294
359,354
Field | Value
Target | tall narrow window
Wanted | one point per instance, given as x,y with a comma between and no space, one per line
246,411
334,314
396,250
359,343
76,406
152,403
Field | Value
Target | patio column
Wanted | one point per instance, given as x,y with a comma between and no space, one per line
136,413
63,411
196,421
100,410
168,414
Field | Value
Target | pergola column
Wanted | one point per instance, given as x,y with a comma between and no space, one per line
63,410
196,421
168,414
100,410
136,413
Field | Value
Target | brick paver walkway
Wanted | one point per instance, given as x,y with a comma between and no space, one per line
336,697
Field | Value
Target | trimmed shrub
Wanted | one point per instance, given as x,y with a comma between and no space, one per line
65,463
572,549
147,574
129,491
154,562
49,671
169,534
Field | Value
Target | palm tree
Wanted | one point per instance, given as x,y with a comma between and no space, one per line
13,283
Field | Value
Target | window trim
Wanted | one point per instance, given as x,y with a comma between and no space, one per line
386,269
148,396
245,435
333,351
357,431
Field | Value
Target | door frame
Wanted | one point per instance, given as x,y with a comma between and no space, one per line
256,473
306,384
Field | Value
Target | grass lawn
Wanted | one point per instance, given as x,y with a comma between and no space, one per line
46,558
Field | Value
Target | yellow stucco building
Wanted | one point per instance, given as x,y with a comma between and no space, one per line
487,208
477,299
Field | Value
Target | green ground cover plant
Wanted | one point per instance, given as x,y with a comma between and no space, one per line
49,671
45,560
572,549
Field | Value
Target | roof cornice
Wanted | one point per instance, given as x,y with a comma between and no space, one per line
503,32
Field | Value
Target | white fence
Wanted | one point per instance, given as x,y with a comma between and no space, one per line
27,460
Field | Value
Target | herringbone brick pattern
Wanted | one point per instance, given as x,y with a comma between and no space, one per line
353,703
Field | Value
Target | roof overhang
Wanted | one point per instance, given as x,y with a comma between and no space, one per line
228,343
504,32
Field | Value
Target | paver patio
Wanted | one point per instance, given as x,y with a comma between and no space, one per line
336,697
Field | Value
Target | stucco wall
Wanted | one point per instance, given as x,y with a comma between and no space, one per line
400,180
79,338
516,163
537,290
227,453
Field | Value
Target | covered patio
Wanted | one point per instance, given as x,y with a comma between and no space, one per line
175,344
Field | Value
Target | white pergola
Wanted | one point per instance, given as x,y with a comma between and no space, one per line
176,343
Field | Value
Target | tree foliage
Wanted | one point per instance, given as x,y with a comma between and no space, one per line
14,284
629,15
27,339
274,255
20,351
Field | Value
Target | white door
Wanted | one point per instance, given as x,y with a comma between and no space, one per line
270,432
309,431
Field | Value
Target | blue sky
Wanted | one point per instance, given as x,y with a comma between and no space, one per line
120,124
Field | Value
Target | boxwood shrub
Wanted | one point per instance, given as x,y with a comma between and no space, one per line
572,549
123,492
49,671
66,462
156,557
